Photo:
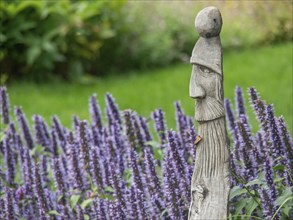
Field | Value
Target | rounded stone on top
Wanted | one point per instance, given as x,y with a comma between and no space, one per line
208,22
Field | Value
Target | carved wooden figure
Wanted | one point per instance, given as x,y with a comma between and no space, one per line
210,181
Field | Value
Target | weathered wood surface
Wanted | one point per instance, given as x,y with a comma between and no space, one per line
210,181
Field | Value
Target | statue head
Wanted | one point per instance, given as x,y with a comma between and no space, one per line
206,83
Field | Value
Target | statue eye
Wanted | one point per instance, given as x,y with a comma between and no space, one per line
204,70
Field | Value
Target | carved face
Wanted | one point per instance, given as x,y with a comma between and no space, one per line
206,87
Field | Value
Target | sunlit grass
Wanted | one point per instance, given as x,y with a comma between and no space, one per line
268,69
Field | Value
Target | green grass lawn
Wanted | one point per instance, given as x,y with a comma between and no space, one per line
268,69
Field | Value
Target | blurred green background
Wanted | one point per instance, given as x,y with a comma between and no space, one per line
55,54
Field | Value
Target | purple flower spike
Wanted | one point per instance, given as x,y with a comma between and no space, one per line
112,110
133,203
160,125
54,143
286,138
239,101
84,141
182,169
274,137
106,177
100,209
230,116
44,170
110,148
174,150
130,129
20,193
116,182
9,206
96,137
233,170
270,179
135,169
9,159
96,169
75,123
191,135
28,170
2,207
118,212
39,193
151,174
181,122
138,131
260,147
4,103
248,150
144,126
80,213
75,172
141,204
41,132
57,174
171,190
253,94
118,145
59,130
26,133
279,154
287,148
268,205
95,112
259,107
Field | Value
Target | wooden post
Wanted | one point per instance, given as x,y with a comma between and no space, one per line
210,181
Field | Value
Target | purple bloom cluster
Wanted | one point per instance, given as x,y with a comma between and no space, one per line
116,166
120,169
266,156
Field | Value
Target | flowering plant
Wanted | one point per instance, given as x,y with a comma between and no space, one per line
119,169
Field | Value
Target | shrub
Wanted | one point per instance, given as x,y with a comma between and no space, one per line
41,40
118,169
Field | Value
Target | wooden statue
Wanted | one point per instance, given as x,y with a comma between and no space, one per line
210,181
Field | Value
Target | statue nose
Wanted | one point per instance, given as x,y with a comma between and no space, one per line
196,91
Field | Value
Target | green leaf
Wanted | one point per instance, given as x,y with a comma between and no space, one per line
107,33
278,167
286,210
109,189
36,149
86,217
33,53
236,191
284,204
240,205
254,182
278,179
153,143
74,200
54,212
284,196
163,213
252,205
158,154
107,196
59,198
86,202
261,176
